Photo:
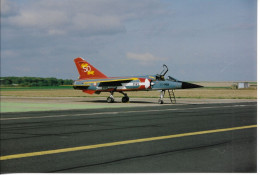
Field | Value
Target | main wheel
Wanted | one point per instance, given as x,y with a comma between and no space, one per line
160,101
110,100
125,99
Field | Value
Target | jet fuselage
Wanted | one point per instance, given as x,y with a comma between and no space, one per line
91,80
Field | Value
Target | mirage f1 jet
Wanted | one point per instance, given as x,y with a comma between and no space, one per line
91,81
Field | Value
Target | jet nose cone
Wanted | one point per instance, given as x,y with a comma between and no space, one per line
186,85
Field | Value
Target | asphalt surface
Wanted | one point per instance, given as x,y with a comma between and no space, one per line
198,138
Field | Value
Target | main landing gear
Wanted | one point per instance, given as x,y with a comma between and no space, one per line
111,98
125,99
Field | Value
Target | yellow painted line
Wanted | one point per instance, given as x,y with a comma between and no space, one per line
80,148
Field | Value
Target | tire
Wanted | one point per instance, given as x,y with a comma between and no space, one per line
160,101
110,100
125,99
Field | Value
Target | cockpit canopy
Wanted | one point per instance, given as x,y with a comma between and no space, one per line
160,77
171,79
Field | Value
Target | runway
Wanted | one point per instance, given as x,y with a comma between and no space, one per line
166,138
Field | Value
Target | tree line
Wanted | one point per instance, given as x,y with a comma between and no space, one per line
34,81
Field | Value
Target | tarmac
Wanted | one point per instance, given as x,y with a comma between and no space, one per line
141,136
25,104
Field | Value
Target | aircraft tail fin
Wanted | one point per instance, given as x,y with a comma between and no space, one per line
87,71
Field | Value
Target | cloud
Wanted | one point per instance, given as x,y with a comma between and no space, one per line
40,19
53,32
8,8
94,24
48,32
144,57
9,53
77,17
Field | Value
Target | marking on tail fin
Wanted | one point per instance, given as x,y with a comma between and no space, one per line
87,69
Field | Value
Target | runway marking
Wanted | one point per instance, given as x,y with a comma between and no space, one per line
87,147
121,112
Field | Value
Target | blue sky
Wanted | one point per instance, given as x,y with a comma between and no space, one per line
199,40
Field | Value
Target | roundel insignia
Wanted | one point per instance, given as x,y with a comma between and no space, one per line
147,83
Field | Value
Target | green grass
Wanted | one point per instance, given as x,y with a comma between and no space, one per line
23,107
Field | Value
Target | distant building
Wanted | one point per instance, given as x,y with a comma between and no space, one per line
242,85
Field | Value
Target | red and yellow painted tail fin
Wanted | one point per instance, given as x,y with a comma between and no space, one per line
87,71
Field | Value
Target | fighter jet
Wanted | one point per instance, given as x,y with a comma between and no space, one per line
91,81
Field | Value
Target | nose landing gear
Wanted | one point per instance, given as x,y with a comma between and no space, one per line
171,96
160,101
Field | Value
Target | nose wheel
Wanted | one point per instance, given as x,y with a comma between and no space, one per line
160,101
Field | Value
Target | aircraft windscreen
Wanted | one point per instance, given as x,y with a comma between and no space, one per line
171,78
